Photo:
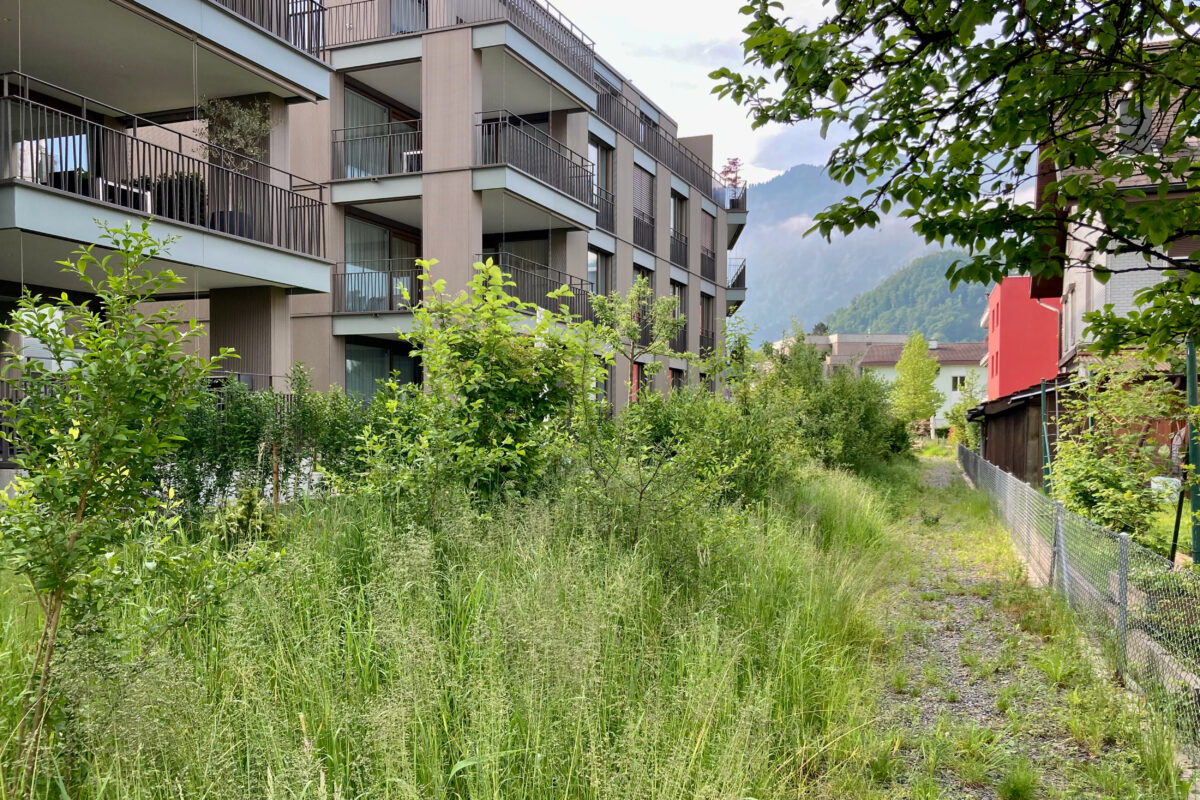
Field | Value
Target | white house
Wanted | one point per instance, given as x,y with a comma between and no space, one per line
956,359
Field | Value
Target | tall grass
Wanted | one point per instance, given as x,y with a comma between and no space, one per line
504,654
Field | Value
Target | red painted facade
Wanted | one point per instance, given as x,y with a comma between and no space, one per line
1022,338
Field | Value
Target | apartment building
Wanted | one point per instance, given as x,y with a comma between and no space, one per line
450,129
97,100
475,129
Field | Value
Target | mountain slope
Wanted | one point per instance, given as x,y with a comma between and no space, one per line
793,276
917,298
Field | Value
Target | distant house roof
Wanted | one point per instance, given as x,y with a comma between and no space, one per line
949,354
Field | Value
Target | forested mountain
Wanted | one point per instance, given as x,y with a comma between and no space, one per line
790,276
917,298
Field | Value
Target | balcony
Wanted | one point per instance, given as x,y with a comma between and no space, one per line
376,287
735,290
708,263
708,343
643,230
377,150
679,249
505,139
535,281
605,211
624,116
545,25
300,23
153,171
679,342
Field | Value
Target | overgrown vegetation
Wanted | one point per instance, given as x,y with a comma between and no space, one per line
504,592
1113,439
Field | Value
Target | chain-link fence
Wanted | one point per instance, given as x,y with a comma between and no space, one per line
1145,612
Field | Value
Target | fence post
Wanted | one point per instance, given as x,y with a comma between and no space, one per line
1123,598
1060,539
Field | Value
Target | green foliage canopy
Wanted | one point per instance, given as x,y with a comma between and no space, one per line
952,108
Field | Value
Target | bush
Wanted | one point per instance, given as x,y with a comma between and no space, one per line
841,419
1108,448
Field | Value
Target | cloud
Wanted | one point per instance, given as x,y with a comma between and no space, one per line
784,146
798,224
710,54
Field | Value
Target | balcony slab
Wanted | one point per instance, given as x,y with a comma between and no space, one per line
42,224
540,194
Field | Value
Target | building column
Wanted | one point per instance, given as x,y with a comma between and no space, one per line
256,323
451,210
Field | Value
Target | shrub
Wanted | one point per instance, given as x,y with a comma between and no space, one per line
1108,448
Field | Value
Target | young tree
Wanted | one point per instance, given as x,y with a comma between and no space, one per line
914,396
1108,447
1004,128
636,325
94,419
961,431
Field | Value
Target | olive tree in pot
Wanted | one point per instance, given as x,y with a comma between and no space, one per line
237,135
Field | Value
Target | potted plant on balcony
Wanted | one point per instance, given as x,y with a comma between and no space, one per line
237,136
179,196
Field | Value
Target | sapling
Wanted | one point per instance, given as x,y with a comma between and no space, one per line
94,416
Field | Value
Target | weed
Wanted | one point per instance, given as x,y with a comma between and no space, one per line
1020,781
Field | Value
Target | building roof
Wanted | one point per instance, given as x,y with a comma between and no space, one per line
947,353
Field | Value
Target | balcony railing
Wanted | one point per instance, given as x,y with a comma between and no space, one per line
730,198
535,281
679,342
300,23
393,148
737,272
679,249
605,211
367,20
708,263
372,287
154,171
623,115
504,138
708,343
643,230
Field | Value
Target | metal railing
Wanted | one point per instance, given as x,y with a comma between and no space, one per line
627,118
154,171
367,287
300,23
679,342
643,230
1130,597
505,138
367,20
393,148
708,263
535,281
679,248
708,342
605,211
730,198
737,273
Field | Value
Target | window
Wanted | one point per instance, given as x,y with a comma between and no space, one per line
368,364
678,214
707,323
642,272
379,267
598,271
600,155
677,379
679,292
643,191
957,382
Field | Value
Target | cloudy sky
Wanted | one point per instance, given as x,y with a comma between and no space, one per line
668,47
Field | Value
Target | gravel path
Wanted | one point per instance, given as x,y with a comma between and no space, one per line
978,681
